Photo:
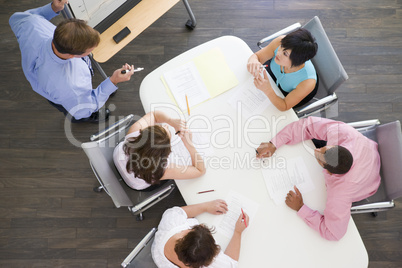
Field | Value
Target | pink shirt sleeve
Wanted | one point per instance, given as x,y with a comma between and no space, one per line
334,223
304,129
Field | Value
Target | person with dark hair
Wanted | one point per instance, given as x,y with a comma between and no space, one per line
288,62
142,159
182,242
55,62
351,168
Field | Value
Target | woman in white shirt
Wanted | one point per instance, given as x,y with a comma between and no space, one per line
182,242
142,158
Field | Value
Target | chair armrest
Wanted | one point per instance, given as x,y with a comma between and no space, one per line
153,199
138,248
319,103
364,124
126,120
377,205
287,30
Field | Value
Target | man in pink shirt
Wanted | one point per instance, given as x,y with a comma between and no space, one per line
351,165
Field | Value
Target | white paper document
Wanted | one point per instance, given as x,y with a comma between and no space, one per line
249,99
186,80
180,154
226,224
279,181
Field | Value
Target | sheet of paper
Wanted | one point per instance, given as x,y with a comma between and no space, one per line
180,154
280,181
212,68
186,80
215,72
250,100
225,225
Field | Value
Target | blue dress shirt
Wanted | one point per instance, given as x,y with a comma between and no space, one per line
65,82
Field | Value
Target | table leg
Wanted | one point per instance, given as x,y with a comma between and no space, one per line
191,23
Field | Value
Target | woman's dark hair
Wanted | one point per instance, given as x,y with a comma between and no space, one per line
338,160
302,44
198,248
74,36
148,153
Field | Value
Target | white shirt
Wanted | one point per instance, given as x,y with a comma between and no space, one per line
173,221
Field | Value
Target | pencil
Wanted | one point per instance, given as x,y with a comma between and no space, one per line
205,191
188,107
244,217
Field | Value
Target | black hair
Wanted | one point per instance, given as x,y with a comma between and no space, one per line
338,160
302,44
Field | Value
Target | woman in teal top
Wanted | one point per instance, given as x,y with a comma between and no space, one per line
290,66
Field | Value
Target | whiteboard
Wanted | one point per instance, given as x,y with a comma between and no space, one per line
100,14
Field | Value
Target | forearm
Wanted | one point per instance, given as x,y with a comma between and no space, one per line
161,117
277,101
253,58
233,248
330,226
303,129
196,159
19,18
195,210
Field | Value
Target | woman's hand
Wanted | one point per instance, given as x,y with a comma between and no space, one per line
254,66
187,137
241,223
263,83
179,126
217,207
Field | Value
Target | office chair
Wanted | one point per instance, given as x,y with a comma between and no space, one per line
389,139
141,255
100,154
329,69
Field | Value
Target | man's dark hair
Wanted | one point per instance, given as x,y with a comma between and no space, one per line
302,44
198,248
74,36
338,160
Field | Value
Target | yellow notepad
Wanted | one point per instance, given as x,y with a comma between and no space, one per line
215,73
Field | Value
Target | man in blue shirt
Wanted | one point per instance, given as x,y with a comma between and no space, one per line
55,62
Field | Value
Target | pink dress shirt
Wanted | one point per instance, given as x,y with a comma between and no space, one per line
362,180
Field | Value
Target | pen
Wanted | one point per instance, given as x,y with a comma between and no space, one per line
256,151
177,132
263,66
244,217
135,70
188,107
205,191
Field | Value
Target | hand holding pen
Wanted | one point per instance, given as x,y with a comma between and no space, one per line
242,223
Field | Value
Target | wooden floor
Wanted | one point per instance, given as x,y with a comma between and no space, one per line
49,215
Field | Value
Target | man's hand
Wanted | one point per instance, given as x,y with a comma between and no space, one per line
294,200
58,5
118,77
266,149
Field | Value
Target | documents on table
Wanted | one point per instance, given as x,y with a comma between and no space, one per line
204,77
186,80
225,225
279,181
180,154
249,99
